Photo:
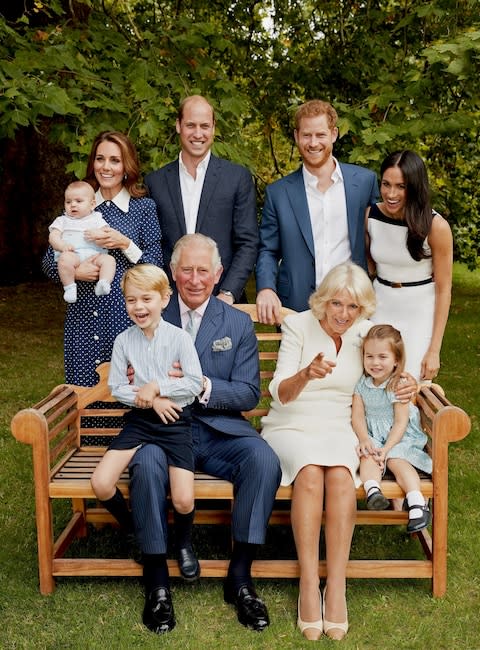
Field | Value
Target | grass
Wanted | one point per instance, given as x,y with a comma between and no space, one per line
95,613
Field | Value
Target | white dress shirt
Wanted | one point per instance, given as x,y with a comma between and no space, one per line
328,217
191,189
197,316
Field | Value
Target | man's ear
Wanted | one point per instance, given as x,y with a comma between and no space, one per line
218,273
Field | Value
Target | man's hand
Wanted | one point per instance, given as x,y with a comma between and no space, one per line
176,371
224,297
166,410
268,307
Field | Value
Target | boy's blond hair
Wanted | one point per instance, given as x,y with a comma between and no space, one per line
148,277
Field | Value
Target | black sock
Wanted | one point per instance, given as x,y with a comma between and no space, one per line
239,569
183,528
117,506
155,572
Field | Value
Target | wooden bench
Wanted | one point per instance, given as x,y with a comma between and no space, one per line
64,430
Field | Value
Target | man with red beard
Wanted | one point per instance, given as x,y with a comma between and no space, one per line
313,219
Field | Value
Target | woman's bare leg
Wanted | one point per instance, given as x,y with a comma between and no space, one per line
340,510
306,517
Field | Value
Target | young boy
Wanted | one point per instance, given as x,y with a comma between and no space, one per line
70,237
161,404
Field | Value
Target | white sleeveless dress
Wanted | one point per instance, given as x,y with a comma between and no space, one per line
409,309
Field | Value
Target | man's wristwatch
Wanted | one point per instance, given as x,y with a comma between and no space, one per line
227,293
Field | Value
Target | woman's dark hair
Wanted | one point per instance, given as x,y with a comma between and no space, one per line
418,209
129,159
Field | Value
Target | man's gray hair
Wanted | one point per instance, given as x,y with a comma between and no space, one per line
196,240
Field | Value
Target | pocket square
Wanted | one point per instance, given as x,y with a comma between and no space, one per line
220,345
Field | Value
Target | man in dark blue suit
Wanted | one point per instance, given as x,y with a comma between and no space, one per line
313,219
225,444
199,192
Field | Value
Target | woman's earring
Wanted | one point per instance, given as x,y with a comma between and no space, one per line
125,176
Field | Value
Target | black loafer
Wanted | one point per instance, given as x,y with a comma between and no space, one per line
251,610
188,564
419,523
158,613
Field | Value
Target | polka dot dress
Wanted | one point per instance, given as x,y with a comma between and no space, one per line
93,322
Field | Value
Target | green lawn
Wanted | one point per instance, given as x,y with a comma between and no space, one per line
100,613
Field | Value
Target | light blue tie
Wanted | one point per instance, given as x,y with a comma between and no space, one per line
191,327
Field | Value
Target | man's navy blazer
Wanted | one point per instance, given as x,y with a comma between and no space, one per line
227,213
227,348
286,258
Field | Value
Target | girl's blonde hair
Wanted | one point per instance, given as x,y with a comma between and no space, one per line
393,336
347,276
148,277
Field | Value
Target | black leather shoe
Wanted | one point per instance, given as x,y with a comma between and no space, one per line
188,564
251,610
419,523
158,613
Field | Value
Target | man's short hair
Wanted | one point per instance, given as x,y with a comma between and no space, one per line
188,99
316,107
196,240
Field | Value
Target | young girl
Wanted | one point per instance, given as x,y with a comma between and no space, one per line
161,404
389,432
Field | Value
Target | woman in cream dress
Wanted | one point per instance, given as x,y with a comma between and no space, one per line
309,427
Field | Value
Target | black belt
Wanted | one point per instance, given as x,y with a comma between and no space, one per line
398,285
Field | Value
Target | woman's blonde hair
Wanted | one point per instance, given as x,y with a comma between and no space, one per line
349,277
393,336
147,277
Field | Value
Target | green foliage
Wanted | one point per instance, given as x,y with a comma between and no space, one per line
401,74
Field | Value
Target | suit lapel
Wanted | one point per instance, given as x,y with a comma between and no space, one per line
208,330
212,176
173,185
298,200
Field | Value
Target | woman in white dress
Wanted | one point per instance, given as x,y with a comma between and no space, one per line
411,252
309,427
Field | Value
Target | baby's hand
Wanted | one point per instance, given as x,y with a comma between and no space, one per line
67,248
166,410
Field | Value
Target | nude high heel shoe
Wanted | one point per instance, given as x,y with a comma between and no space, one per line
335,631
315,626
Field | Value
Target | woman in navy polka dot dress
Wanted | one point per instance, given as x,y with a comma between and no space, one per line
133,236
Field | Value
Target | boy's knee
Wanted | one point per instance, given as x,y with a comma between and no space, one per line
183,504
103,490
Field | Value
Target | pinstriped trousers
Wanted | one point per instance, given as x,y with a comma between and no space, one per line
246,461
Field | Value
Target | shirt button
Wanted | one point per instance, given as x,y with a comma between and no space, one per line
95,338
97,361
95,313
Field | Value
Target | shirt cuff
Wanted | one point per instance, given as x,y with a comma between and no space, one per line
133,253
205,396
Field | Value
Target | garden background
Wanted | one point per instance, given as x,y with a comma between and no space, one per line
401,74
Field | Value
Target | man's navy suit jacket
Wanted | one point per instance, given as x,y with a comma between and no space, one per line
227,213
286,258
227,348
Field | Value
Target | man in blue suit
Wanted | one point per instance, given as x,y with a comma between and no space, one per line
313,219
199,192
225,444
